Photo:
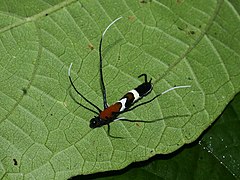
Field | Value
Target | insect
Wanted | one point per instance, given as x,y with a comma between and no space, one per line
126,103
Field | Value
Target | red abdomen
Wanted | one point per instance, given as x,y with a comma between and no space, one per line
111,112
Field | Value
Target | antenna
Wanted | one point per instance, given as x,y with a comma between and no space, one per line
105,105
69,75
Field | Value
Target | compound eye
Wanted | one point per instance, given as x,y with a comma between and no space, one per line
93,123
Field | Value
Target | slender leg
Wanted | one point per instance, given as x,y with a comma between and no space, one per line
146,102
108,132
152,121
105,105
136,120
145,78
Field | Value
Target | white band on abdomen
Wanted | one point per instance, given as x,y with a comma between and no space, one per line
135,94
123,102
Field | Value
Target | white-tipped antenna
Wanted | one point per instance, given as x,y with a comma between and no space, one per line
105,104
176,87
69,70
80,94
110,26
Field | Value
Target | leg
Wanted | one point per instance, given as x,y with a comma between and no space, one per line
146,102
152,121
145,78
108,132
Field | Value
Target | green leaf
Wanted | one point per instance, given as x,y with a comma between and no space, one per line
45,134
214,156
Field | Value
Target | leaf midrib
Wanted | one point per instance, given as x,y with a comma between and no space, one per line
191,47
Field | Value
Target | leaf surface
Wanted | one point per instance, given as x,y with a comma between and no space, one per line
45,134
213,156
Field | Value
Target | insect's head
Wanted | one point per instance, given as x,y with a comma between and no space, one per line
95,122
